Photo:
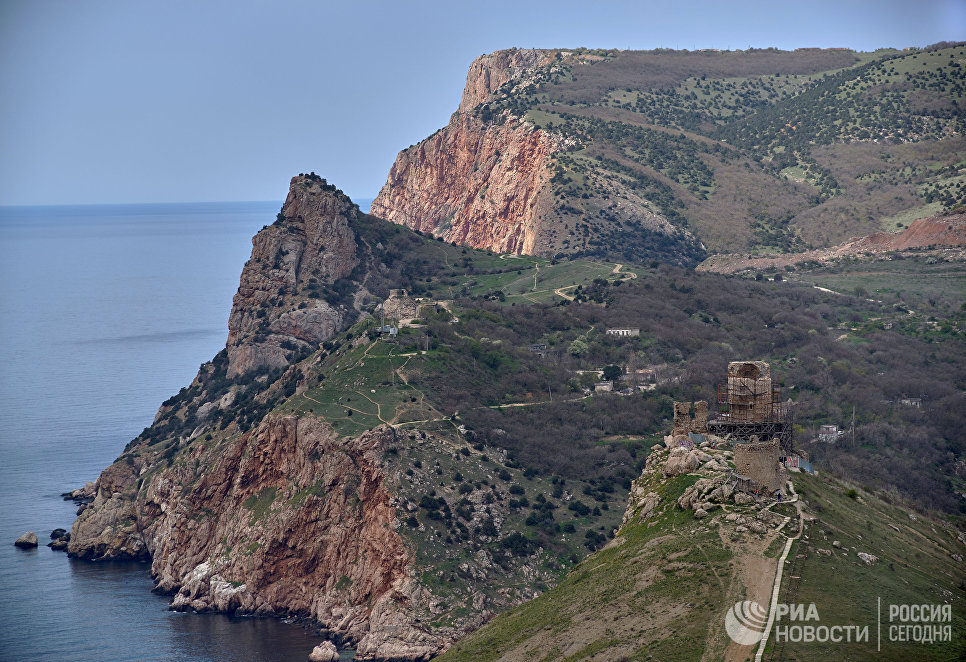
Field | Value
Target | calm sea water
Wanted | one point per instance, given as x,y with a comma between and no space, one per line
105,311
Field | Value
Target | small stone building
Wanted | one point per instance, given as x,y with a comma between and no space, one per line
829,433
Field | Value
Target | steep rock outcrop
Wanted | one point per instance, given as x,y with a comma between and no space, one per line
494,180
286,519
474,183
490,71
312,242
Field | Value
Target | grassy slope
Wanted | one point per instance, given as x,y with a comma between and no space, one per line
655,593
915,567
661,592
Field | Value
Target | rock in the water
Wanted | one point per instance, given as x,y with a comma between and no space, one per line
60,544
81,493
27,540
58,533
324,652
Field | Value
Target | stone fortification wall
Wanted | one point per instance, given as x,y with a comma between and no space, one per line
759,461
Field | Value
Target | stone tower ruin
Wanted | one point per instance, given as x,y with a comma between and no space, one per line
758,467
750,405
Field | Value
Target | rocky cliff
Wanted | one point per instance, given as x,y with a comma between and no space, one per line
240,507
311,244
478,182
474,183
491,71
288,519
501,178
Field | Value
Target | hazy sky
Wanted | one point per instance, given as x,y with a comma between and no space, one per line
132,101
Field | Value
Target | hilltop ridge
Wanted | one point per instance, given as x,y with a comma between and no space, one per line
691,546
673,154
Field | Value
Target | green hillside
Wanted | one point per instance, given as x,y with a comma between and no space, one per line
661,588
510,466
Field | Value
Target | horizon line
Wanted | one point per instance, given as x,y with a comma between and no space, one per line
169,202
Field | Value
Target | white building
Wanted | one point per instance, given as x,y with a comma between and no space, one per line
623,332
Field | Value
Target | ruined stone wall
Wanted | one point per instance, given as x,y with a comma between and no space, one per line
399,307
700,424
683,421
759,461
682,418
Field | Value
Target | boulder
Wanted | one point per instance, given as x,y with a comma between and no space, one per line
743,499
700,513
58,533
868,559
324,652
86,492
27,540
824,552
60,544
836,544
681,461
757,526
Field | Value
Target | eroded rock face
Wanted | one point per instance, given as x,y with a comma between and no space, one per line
488,72
312,240
473,183
488,179
108,528
288,519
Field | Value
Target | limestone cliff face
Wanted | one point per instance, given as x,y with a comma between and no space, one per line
493,180
489,72
288,519
474,183
478,183
311,243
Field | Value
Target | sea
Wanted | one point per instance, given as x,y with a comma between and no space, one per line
106,311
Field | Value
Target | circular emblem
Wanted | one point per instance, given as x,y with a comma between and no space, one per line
745,622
